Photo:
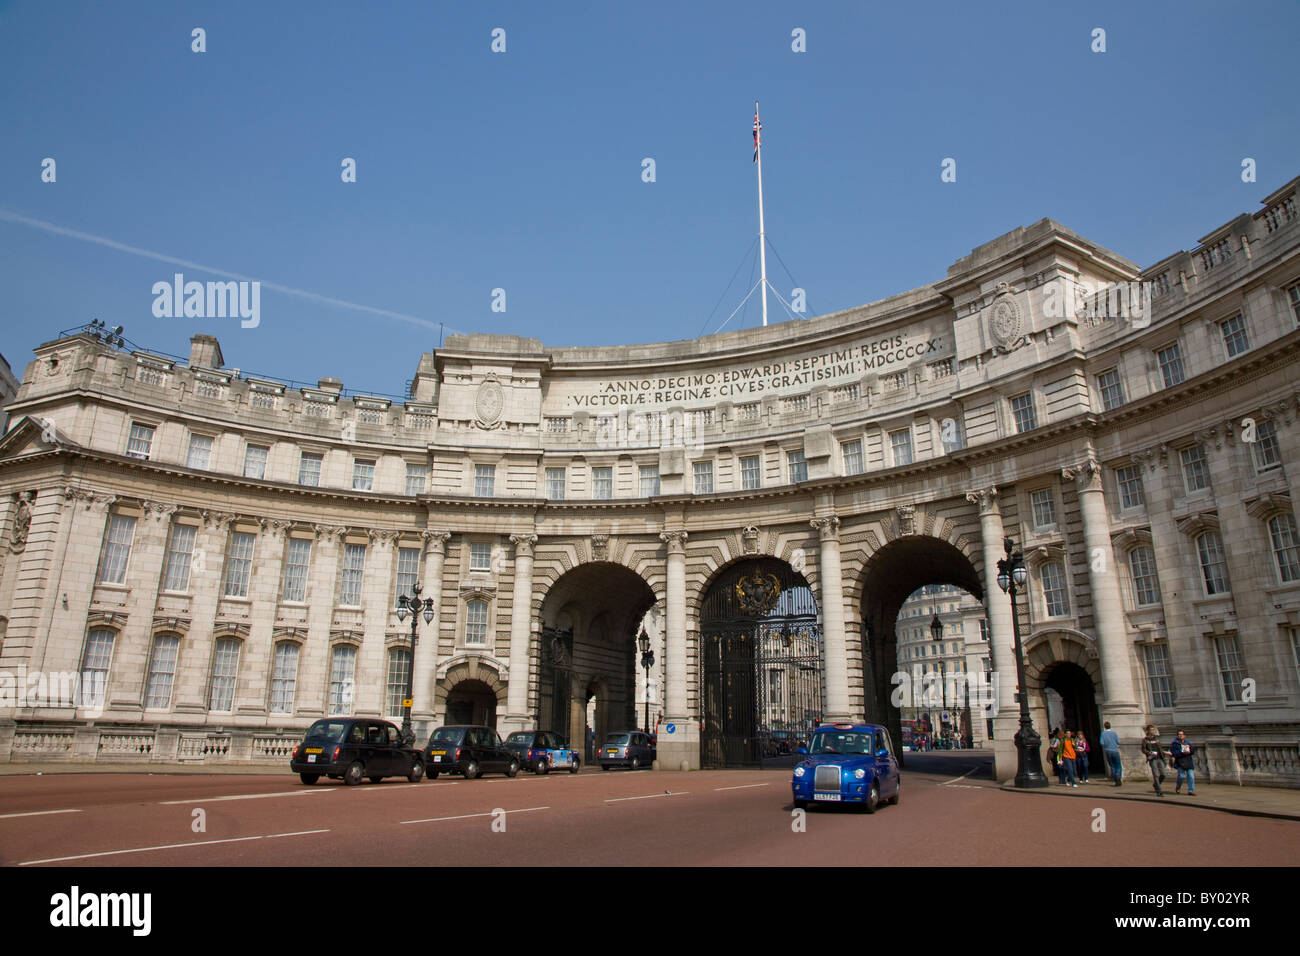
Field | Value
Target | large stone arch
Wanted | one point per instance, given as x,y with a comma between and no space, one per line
1065,663
463,669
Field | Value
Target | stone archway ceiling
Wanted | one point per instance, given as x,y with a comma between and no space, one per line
600,589
904,565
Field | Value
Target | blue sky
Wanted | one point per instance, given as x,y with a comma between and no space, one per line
522,170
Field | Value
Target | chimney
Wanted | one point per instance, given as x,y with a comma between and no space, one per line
330,385
205,351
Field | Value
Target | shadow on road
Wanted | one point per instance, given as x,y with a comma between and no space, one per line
951,763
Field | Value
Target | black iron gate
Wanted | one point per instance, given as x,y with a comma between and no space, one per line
761,653
555,687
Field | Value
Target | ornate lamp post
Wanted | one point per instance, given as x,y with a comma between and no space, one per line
647,662
1029,768
936,635
412,606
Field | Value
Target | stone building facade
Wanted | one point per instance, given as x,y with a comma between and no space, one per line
216,557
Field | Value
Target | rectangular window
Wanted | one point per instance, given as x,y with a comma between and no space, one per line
117,550
798,465
649,481
1235,339
140,442
296,560
1160,682
309,470
255,461
1146,586
750,477
94,667
200,452
851,453
485,477
1022,409
343,669
399,671
1129,480
1266,451
557,424
408,572
354,565
1286,547
239,565
1214,567
703,477
1196,476
225,665
1111,389
363,475
901,443
1293,293
556,479
417,479
284,677
1171,365
602,483
1232,667
162,671
480,556
180,556
1043,505
476,621
1054,591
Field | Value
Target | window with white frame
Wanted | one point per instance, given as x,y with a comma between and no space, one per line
255,461
200,452
1265,449
117,550
1235,339
180,557
343,672
1111,388
1160,680
399,671
284,677
309,469
1171,365
1196,475
1022,410
1286,547
556,479
480,556
1293,294
408,572
363,475
225,665
1055,595
851,453
162,671
750,473
602,483
476,623
95,663
703,477
297,558
354,566
1129,480
1043,506
649,481
140,442
485,477
1146,585
1214,567
1232,666
900,442
239,565
417,479
798,465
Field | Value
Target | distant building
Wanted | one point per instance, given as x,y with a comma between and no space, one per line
938,671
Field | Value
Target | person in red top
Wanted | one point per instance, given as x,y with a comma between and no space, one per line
1067,758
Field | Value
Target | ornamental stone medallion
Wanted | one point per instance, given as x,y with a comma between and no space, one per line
1006,321
489,402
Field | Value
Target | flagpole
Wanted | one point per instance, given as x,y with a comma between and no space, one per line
762,239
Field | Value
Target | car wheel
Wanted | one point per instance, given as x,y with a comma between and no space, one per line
576,764
542,766
513,768
309,778
471,769
636,764
873,798
352,776
376,779
893,801
604,766
417,771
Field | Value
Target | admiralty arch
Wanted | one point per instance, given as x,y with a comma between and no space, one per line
216,557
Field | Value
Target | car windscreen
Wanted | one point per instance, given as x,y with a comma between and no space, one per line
616,739
328,730
840,742
519,740
447,735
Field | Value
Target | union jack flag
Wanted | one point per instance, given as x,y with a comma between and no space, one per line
758,137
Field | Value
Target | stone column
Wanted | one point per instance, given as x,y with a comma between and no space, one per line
1121,706
521,615
832,607
426,651
680,748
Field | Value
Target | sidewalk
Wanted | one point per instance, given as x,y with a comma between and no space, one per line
50,769
1280,804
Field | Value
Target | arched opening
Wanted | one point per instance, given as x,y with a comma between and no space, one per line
923,574
472,702
586,669
762,662
1072,705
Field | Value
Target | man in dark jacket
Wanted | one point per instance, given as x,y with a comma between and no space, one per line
1155,758
1181,750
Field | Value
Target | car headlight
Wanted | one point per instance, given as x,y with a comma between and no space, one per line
798,771
859,773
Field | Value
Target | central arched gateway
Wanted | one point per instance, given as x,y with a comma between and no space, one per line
761,658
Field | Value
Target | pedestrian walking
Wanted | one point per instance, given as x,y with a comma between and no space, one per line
1068,759
1054,752
1081,749
1110,747
1155,758
1181,751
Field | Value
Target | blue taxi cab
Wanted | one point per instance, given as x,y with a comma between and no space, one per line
847,763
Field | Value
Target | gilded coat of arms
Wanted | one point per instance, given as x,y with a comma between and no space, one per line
758,593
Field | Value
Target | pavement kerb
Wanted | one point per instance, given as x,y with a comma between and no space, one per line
1170,799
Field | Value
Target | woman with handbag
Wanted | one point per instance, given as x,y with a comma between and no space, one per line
1155,758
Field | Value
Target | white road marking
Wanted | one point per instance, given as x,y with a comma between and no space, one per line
962,777
748,786
648,796
34,813
467,816
170,846
244,796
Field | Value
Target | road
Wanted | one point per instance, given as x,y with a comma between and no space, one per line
950,813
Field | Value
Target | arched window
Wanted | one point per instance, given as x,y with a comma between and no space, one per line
284,677
343,671
95,662
1286,552
1214,568
225,666
162,671
1055,595
399,671
1142,565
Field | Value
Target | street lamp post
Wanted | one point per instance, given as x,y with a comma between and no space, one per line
647,662
412,606
936,634
1029,768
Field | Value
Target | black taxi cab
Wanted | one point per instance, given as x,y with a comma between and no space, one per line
354,748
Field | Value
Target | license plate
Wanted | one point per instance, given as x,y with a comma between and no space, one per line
313,750
438,752
826,796
311,758
437,758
